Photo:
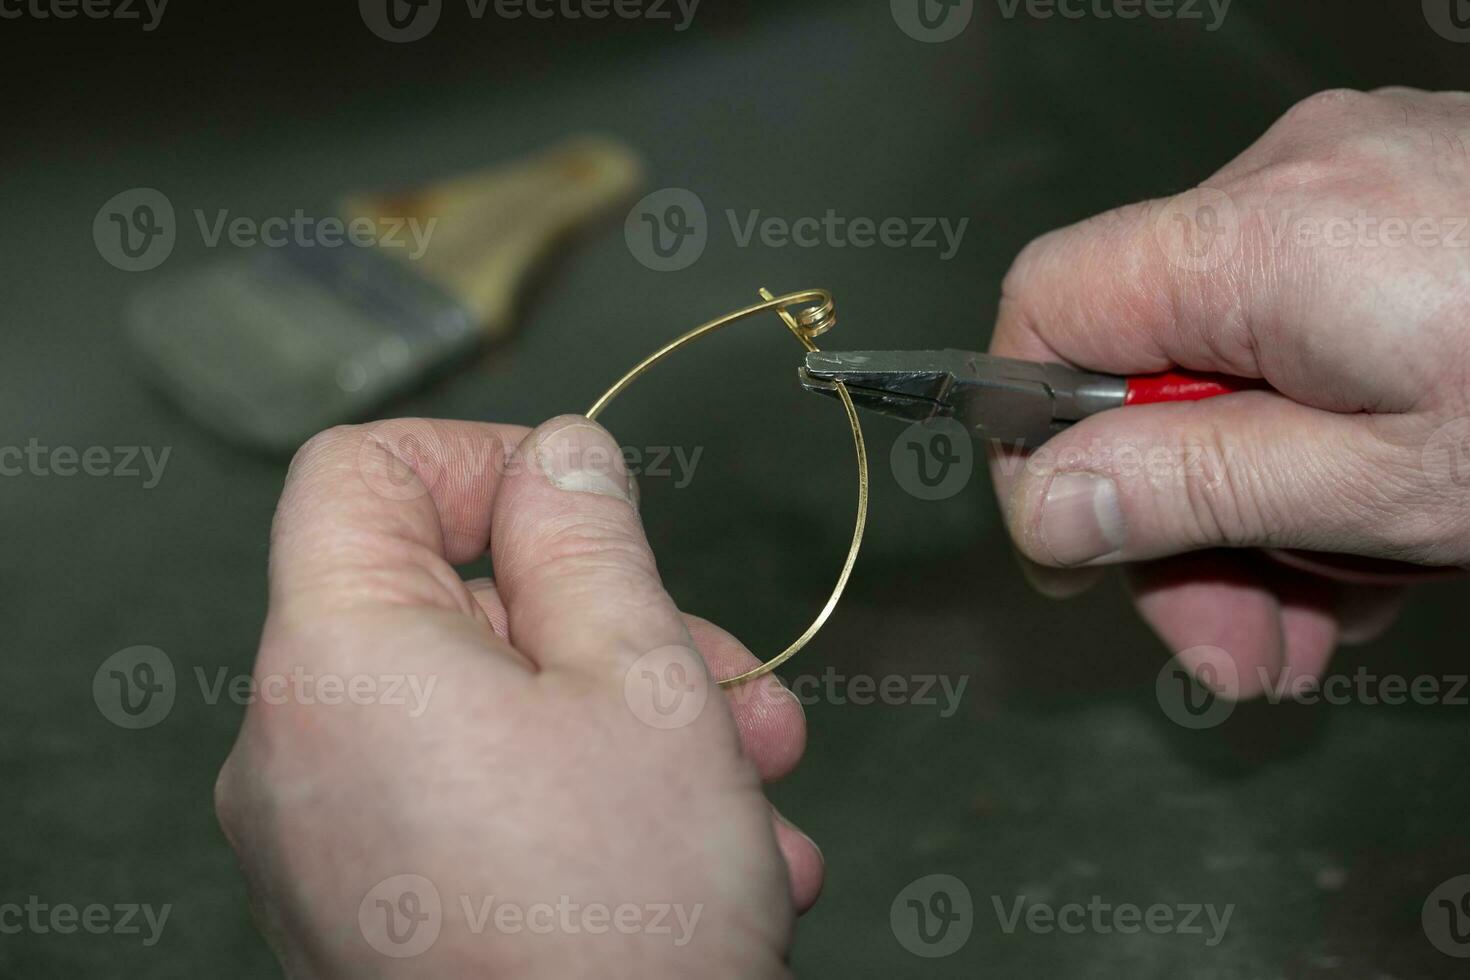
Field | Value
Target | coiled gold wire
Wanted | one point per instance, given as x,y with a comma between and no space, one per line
814,316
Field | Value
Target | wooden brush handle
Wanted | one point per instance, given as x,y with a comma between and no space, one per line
489,229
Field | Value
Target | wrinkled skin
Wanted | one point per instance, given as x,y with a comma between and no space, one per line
1363,327
530,774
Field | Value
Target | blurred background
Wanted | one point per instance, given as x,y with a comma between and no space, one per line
1028,757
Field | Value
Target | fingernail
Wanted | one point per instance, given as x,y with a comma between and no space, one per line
1081,520
773,691
583,458
635,493
801,833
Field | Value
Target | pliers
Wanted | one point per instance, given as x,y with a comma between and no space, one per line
1024,403
998,399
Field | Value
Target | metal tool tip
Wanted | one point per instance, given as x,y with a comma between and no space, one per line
812,382
826,364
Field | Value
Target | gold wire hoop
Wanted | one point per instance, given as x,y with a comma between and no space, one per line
810,321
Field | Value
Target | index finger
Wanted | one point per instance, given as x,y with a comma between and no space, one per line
380,513
1143,288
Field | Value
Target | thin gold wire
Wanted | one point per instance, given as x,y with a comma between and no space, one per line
810,321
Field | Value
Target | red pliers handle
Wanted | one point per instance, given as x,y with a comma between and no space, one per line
1183,386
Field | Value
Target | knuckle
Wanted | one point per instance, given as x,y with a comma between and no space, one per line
1071,247
1365,140
1332,103
1224,503
1013,287
325,445
1399,92
1083,254
329,440
596,548
1032,262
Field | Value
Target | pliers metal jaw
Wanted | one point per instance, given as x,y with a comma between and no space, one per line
998,399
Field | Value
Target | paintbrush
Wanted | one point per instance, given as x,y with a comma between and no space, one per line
321,322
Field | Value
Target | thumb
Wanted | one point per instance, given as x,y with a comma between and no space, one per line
579,582
1243,470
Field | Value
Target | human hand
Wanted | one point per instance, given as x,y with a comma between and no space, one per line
1332,259
541,758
